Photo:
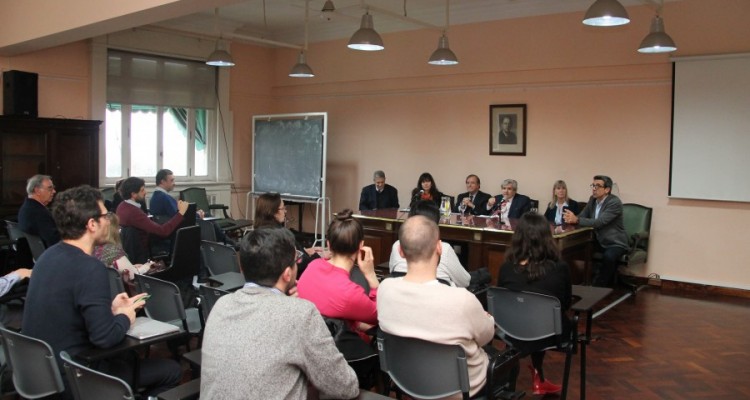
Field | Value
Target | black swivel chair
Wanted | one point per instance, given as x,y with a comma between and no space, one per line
527,316
165,304
219,258
186,256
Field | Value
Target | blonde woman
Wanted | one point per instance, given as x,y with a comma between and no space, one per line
560,202
112,250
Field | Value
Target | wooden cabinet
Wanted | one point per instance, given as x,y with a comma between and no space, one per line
66,149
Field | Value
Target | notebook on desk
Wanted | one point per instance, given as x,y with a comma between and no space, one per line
144,328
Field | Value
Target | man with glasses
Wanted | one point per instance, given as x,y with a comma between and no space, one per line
262,341
69,304
34,217
603,212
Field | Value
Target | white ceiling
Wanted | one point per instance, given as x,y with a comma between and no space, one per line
283,20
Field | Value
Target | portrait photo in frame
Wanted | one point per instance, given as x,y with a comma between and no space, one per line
508,130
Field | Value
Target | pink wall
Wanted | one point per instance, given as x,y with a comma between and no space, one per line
595,105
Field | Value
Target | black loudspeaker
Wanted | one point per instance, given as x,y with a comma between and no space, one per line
20,93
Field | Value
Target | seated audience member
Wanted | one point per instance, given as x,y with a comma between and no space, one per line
164,205
603,212
117,198
426,190
69,305
379,195
533,264
560,201
449,269
418,306
261,341
474,199
509,204
111,249
34,217
328,285
131,216
11,278
271,211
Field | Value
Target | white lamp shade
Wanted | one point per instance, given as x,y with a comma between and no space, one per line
606,13
657,41
365,38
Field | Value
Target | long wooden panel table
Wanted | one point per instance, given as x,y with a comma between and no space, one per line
485,239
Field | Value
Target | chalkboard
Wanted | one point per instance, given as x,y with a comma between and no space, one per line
289,154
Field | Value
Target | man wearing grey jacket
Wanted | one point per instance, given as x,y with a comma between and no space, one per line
262,342
603,212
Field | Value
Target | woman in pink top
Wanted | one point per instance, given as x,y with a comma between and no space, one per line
326,283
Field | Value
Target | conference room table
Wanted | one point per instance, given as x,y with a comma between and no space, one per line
485,239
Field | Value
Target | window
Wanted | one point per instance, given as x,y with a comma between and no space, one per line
160,114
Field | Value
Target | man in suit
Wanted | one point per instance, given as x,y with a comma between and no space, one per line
474,199
379,195
509,204
506,135
262,341
34,217
603,212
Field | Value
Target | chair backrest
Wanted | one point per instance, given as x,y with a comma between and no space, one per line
36,244
424,369
196,195
207,230
35,370
88,384
14,232
137,253
358,277
525,315
219,258
165,303
637,219
186,255
209,297
116,286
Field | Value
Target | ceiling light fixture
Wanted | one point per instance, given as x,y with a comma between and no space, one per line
606,13
365,38
657,41
443,55
328,11
301,69
220,57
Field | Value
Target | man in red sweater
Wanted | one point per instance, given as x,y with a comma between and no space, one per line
136,225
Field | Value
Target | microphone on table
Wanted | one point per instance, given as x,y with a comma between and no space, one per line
418,196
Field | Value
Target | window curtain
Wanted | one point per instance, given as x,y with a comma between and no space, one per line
146,79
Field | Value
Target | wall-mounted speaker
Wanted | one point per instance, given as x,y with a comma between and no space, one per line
20,93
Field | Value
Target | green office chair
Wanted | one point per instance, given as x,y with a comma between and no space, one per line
200,198
637,221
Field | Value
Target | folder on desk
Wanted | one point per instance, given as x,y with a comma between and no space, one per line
144,328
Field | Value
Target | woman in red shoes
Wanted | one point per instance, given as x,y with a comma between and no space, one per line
533,264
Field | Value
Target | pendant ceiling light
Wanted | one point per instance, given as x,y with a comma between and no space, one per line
301,69
328,11
606,13
657,41
219,58
366,38
443,55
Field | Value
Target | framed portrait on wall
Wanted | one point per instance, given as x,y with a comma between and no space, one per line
508,130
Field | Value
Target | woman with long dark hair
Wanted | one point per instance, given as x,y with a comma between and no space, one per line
426,190
271,211
533,264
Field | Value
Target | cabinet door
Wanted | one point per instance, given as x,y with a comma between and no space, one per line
23,154
73,157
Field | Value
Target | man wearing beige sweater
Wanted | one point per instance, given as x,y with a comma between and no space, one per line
418,306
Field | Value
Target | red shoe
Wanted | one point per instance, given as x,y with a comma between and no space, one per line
543,387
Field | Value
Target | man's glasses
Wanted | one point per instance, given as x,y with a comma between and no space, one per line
107,214
596,186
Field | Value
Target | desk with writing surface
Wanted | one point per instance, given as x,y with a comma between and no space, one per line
486,239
